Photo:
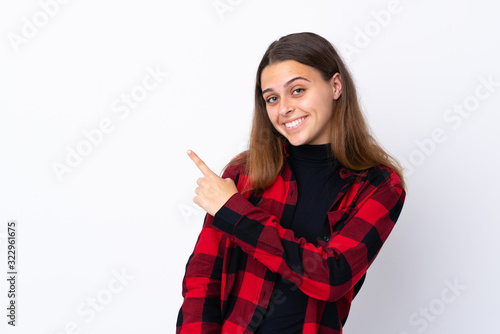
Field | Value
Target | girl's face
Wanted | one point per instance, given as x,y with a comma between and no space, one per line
299,102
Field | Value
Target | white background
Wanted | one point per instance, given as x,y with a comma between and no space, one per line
127,205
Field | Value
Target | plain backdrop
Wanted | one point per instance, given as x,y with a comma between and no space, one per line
100,100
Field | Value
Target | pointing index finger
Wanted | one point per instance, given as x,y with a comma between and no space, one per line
199,163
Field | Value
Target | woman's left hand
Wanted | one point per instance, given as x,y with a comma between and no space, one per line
213,191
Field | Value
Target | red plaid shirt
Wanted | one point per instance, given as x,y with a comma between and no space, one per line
229,279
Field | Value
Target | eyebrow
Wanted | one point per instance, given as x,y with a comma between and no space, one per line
286,84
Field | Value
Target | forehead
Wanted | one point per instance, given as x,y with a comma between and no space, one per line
279,73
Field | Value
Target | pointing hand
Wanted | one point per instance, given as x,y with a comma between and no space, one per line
213,191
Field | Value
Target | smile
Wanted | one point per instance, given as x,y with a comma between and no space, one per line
295,124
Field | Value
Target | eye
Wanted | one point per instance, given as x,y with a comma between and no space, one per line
271,99
298,91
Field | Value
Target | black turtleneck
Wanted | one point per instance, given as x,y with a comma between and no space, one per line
316,173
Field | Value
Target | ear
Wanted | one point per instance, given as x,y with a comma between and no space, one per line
336,83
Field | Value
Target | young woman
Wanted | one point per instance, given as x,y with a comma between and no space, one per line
296,220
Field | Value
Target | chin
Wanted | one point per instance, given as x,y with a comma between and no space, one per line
297,141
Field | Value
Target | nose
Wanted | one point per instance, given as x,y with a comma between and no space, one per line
285,107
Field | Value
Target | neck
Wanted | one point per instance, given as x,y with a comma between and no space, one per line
307,153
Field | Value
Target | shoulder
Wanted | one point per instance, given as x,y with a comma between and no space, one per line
379,179
236,169
383,175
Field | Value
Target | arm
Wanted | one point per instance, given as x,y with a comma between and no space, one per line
327,271
201,287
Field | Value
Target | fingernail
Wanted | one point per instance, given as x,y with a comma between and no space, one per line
188,151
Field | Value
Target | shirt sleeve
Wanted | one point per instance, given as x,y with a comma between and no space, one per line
329,270
201,286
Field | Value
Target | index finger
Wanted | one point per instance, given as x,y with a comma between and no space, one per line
199,163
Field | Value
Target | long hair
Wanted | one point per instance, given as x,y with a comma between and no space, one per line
351,142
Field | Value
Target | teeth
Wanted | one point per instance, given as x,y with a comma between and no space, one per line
294,123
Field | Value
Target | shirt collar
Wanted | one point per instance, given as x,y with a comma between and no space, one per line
344,172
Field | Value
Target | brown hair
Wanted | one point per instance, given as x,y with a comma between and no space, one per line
351,142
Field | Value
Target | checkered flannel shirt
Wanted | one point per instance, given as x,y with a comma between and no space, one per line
229,278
